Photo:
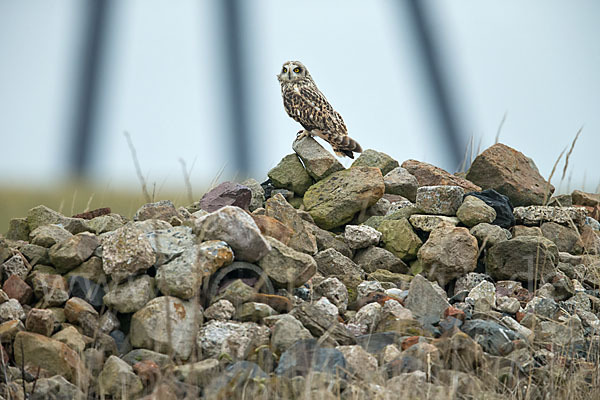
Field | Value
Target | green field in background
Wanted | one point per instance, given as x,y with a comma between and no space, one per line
73,198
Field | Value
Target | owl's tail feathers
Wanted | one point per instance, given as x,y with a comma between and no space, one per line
345,146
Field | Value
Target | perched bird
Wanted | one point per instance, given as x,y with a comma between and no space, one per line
305,103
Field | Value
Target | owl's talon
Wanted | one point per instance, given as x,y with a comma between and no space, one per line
302,134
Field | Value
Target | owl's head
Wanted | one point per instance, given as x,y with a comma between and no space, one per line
293,71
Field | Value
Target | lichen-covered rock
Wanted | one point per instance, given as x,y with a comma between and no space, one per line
10,310
430,175
166,330
335,291
105,223
49,235
372,158
183,276
15,265
164,210
399,181
482,297
488,235
236,228
334,200
511,173
428,223
42,215
71,252
170,243
439,200
474,211
319,163
448,254
221,310
235,339
18,229
51,355
400,239
524,258
118,380
290,174
286,266
361,236
130,296
535,215
302,238
366,319
126,252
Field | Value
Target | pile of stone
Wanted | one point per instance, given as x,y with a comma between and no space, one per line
377,281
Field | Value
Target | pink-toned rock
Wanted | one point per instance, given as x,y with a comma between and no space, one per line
430,175
448,253
16,288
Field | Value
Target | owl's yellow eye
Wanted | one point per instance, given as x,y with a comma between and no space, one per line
296,70
284,70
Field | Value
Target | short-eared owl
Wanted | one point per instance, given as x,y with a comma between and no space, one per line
305,103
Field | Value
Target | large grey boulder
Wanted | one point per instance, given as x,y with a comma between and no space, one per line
235,227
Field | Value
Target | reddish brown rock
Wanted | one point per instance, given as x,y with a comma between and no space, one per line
148,371
430,175
16,288
226,194
271,227
78,311
585,199
409,341
511,173
40,321
455,313
280,304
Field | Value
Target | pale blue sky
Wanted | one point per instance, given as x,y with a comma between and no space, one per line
163,82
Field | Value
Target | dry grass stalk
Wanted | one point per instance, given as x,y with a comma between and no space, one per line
569,153
186,179
547,192
500,127
138,170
